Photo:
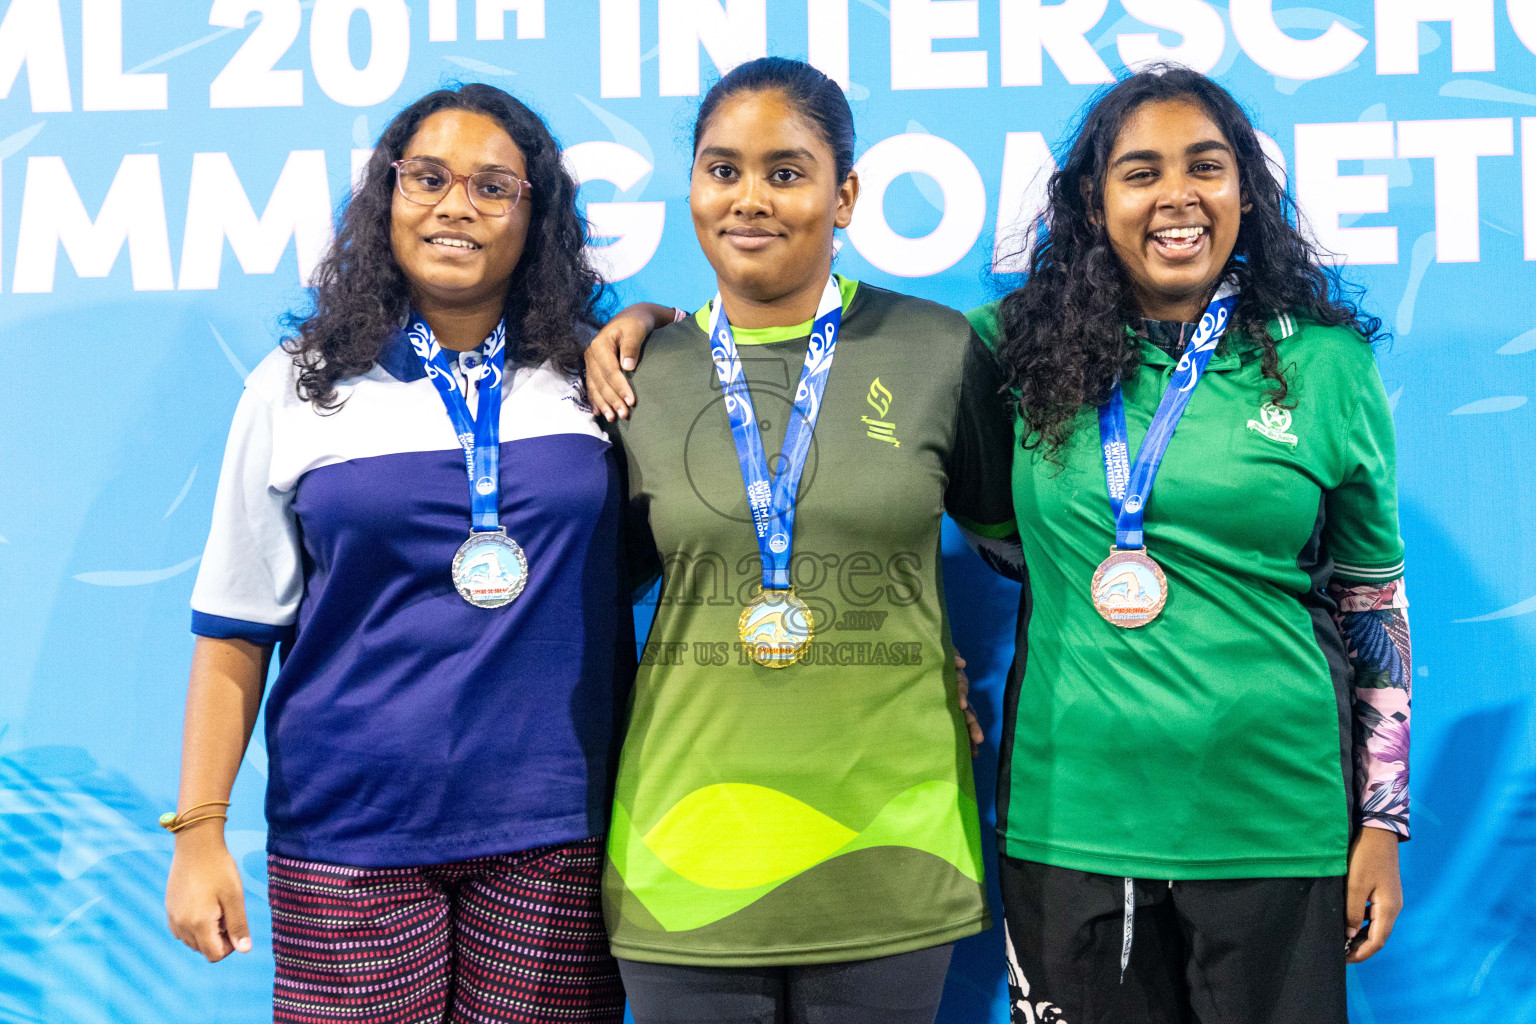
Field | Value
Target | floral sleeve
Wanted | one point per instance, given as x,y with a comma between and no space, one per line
1373,621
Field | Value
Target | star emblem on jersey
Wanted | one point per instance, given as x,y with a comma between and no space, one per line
1274,423
881,429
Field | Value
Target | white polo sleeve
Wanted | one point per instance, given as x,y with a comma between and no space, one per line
251,577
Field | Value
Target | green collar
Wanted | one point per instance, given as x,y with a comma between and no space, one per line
1223,360
769,335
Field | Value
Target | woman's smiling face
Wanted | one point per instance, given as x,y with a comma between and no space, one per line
1172,204
765,198
452,254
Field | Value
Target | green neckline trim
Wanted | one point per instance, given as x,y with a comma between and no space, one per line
770,335
1230,354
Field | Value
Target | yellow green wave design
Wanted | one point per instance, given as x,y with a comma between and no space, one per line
724,846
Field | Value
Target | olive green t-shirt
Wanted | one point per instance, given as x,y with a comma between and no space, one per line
1214,741
824,811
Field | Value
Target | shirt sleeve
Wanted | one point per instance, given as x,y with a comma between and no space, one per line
642,563
986,321
979,496
1374,624
1361,527
251,578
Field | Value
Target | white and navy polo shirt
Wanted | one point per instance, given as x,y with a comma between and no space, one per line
405,725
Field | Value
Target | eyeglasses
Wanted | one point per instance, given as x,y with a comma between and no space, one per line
425,183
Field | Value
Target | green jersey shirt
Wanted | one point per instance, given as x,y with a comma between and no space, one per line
1213,742
825,811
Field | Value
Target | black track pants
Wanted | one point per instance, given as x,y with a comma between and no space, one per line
1238,951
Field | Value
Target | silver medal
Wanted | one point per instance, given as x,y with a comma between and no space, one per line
490,569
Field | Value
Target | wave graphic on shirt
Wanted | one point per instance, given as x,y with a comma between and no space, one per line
725,846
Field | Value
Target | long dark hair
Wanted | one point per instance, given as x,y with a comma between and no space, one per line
361,296
1064,339
816,97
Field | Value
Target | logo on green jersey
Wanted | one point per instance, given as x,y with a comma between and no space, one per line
1274,423
879,399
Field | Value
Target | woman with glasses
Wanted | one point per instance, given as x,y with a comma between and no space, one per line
416,503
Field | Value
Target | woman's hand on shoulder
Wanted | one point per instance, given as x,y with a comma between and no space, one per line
204,899
615,349
1373,878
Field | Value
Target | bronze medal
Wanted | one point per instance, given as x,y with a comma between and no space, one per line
1129,589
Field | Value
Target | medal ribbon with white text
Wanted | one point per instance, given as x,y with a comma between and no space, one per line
1130,484
772,501
479,436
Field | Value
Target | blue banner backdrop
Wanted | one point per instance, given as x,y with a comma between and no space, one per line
168,173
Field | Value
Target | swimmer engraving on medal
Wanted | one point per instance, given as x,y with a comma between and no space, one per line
486,569
1124,590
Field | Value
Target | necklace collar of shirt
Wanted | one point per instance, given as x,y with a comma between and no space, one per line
1162,341
771,335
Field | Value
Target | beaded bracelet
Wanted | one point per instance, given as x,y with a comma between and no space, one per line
172,821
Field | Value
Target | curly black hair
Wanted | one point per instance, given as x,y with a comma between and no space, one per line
1065,343
361,297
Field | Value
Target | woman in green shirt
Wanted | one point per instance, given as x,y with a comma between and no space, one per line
795,834
1208,777
1198,815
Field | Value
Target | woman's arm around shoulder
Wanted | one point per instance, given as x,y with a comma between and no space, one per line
980,494
616,349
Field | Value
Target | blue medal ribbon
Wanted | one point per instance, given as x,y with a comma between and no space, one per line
772,501
1130,485
479,436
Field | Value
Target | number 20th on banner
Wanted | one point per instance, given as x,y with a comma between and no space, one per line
32,35
250,79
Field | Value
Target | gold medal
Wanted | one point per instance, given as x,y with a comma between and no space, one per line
1129,589
776,628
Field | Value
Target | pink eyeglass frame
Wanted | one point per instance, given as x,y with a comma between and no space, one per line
522,186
